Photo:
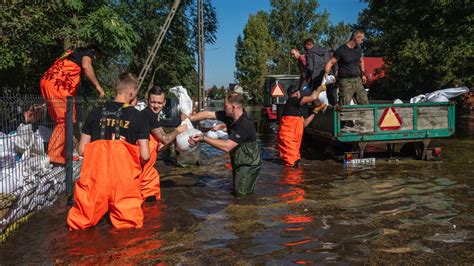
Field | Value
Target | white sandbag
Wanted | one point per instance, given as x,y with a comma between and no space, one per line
140,106
7,150
397,101
328,80
219,134
186,106
440,95
27,140
322,99
182,140
185,102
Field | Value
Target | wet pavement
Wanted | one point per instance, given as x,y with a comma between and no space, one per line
403,211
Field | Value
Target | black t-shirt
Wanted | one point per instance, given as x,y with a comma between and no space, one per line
153,121
241,131
78,54
150,118
348,60
292,107
132,124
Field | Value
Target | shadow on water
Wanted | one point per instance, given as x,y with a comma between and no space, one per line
396,211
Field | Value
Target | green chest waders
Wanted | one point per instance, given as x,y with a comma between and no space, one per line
246,163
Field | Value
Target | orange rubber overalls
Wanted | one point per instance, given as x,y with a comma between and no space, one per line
289,138
109,181
58,82
149,178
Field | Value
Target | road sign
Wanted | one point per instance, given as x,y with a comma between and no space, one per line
277,91
390,120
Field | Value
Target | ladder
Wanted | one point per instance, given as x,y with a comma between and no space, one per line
156,46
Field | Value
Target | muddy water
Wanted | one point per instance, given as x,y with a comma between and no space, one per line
396,212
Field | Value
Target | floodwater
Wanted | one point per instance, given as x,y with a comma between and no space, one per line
402,211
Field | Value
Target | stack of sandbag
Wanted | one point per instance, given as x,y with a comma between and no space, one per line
37,191
7,150
440,95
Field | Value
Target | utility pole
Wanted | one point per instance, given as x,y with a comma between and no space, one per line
201,44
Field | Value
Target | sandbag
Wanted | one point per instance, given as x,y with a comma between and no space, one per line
323,96
182,140
219,134
186,106
185,102
440,95
7,150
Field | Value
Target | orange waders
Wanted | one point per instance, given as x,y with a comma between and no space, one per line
109,181
149,178
58,82
289,138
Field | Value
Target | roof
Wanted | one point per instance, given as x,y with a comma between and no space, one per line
373,68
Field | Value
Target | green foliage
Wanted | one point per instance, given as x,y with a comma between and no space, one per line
268,37
337,35
253,53
35,33
427,45
291,22
215,93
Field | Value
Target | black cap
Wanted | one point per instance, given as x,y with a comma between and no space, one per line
292,89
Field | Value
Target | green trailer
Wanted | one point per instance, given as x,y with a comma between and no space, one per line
353,128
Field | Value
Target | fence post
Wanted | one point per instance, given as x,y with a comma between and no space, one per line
69,147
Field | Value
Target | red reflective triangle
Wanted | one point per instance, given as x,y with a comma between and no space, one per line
390,120
277,91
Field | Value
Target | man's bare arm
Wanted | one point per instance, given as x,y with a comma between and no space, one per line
144,150
163,137
90,74
167,138
85,139
329,64
362,70
202,116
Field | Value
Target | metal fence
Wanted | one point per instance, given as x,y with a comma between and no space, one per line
31,177
38,153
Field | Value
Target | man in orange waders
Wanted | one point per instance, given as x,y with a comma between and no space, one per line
109,179
60,81
292,124
150,179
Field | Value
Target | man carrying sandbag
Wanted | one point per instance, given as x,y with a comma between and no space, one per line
149,178
241,144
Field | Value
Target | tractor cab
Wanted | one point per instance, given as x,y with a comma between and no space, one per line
274,97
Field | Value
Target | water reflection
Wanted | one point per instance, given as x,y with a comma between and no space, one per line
409,212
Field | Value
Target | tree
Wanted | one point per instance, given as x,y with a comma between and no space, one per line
268,38
337,35
427,45
290,23
252,54
212,92
176,60
34,34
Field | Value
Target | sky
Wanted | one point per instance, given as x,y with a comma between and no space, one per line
232,16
